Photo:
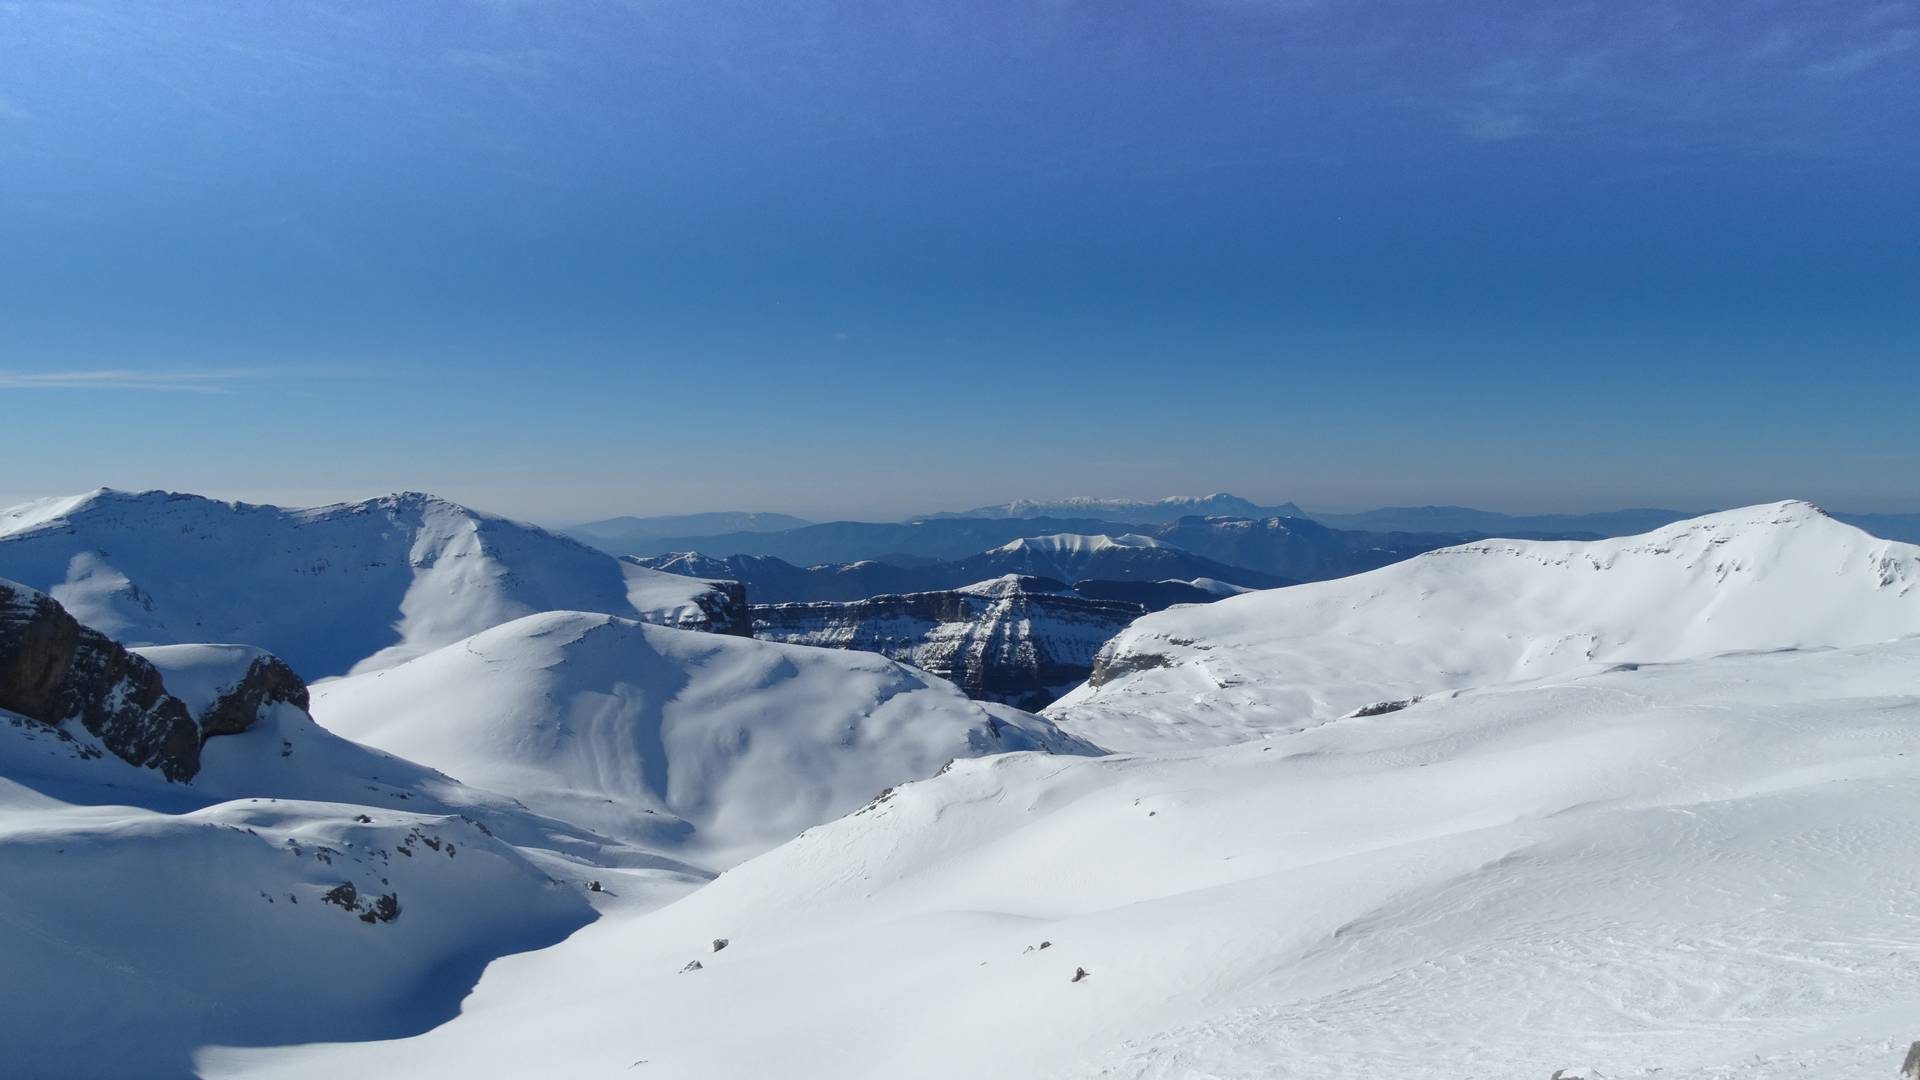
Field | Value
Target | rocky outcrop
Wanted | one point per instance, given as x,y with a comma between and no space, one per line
1019,640
226,688
727,609
721,608
55,671
268,681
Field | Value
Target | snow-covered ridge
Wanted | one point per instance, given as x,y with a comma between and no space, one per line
329,589
1780,575
1077,544
710,746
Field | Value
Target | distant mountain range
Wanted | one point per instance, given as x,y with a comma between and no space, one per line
620,535
948,536
1132,559
1132,511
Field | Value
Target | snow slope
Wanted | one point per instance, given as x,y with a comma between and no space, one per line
1763,577
306,887
332,589
142,919
710,746
1703,869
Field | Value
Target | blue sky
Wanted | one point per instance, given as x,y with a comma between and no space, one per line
566,259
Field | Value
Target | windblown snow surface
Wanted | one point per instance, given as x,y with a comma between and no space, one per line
337,588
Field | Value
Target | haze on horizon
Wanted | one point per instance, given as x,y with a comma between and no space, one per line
572,260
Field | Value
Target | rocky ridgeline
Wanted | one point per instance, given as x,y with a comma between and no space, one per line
1018,640
57,672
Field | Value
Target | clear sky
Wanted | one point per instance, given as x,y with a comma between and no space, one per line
570,259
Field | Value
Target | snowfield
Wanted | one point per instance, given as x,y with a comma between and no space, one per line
1777,576
1702,869
1637,809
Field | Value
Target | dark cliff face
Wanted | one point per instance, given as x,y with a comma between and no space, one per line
54,670
1021,641
727,609
268,681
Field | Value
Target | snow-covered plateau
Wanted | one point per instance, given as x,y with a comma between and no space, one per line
1644,808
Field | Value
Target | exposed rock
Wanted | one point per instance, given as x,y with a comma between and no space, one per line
1110,665
1018,640
1080,973
720,943
692,965
727,609
1382,708
54,670
227,688
268,681
723,607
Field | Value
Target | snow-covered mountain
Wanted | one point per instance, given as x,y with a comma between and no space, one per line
1068,557
187,852
1298,549
363,892
1019,640
1702,870
1136,511
1128,557
1764,577
331,589
713,747
835,561
768,580
1634,809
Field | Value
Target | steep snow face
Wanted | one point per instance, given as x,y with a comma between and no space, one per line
1704,869
1764,577
1022,641
338,588
711,746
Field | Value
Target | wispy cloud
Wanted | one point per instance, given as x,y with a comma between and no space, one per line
193,382
1866,55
